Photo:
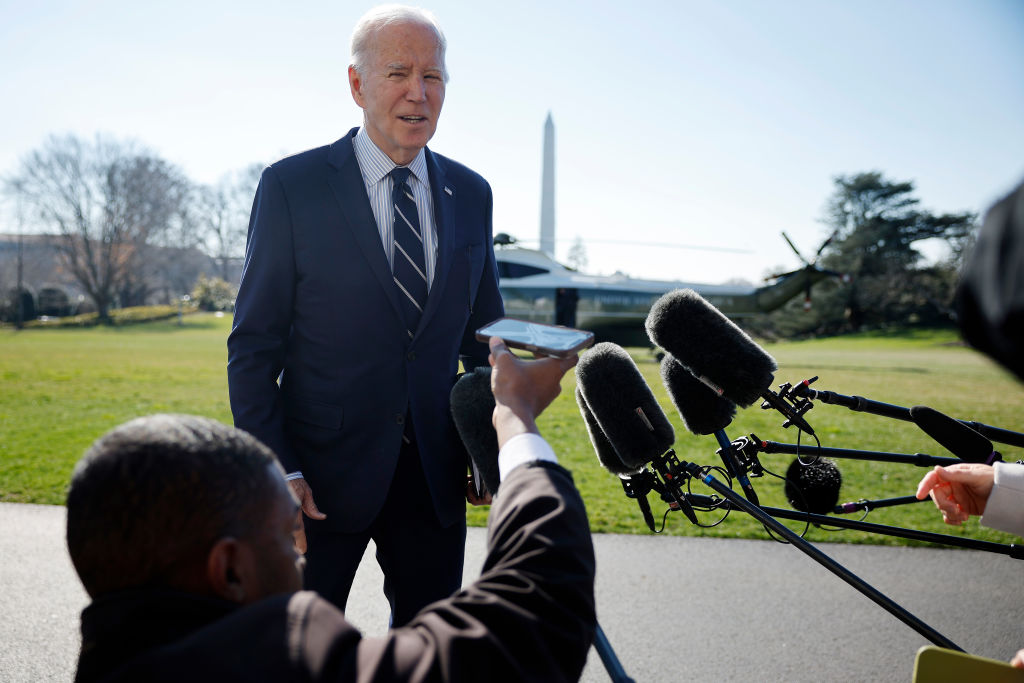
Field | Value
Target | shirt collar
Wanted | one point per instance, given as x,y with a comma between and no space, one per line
375,164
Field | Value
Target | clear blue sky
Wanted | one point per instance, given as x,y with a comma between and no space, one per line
701,123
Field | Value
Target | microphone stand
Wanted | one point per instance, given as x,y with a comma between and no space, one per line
735,466
1012,550
637,486
918,459
861,404
752,446
821,558
611,662
667,467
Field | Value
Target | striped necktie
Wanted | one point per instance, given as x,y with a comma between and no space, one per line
409,269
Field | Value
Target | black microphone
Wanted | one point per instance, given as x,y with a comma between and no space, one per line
704,412
622,406
954,436
813,487
868,505
606,454
710,345
716,351
635,482
472,406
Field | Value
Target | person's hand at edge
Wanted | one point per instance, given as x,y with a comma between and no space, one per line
959,490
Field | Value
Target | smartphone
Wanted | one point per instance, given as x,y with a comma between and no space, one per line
548,340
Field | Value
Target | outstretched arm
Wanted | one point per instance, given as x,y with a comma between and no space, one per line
530,615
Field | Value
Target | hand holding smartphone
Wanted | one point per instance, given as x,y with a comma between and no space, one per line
547,340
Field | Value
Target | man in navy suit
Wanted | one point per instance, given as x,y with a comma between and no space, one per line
334,360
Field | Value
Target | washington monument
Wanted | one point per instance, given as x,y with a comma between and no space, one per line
547,197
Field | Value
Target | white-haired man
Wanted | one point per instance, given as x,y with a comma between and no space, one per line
369,266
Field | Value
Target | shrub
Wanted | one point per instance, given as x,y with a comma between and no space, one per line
213,294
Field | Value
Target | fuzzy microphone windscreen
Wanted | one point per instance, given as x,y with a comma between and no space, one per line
711,346
703,411
623,405
813,487
472,405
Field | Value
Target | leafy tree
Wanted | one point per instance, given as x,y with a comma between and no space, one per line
577,256
877,225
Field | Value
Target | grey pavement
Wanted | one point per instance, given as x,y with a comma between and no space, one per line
674,609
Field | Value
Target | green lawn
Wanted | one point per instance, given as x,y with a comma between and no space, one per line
62,388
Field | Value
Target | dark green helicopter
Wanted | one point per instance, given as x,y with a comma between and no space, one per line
536,287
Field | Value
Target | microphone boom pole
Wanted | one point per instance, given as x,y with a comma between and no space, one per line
865,405
608,657
1012,550
824,560
918,459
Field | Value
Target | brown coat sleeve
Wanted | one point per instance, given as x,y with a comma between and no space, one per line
530,615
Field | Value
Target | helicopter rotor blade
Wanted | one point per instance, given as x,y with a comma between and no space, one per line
795,250
825,244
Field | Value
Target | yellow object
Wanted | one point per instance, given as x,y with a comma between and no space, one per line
939,665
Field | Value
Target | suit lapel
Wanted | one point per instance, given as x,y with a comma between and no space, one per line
346,182
443,195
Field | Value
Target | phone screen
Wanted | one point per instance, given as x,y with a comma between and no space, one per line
536,336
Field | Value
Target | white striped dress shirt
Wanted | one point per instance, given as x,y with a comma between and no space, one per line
375,166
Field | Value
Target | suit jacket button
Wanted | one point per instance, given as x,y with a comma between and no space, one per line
400,418
411,355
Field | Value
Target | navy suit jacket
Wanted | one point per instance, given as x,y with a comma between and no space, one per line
320,365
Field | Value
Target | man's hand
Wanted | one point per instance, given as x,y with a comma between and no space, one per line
305,496
471,493
522,388
959,490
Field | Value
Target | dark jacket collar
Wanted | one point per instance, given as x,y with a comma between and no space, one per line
118,627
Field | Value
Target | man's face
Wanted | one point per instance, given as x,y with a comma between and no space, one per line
277,564
401,89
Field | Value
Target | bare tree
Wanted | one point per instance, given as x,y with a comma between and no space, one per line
577,256
224,215
106,200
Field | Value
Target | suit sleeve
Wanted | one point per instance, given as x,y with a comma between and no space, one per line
530,615
487,305
1005,508
263,314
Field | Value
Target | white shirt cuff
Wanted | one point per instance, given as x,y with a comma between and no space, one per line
293,475
521,449
1005,508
